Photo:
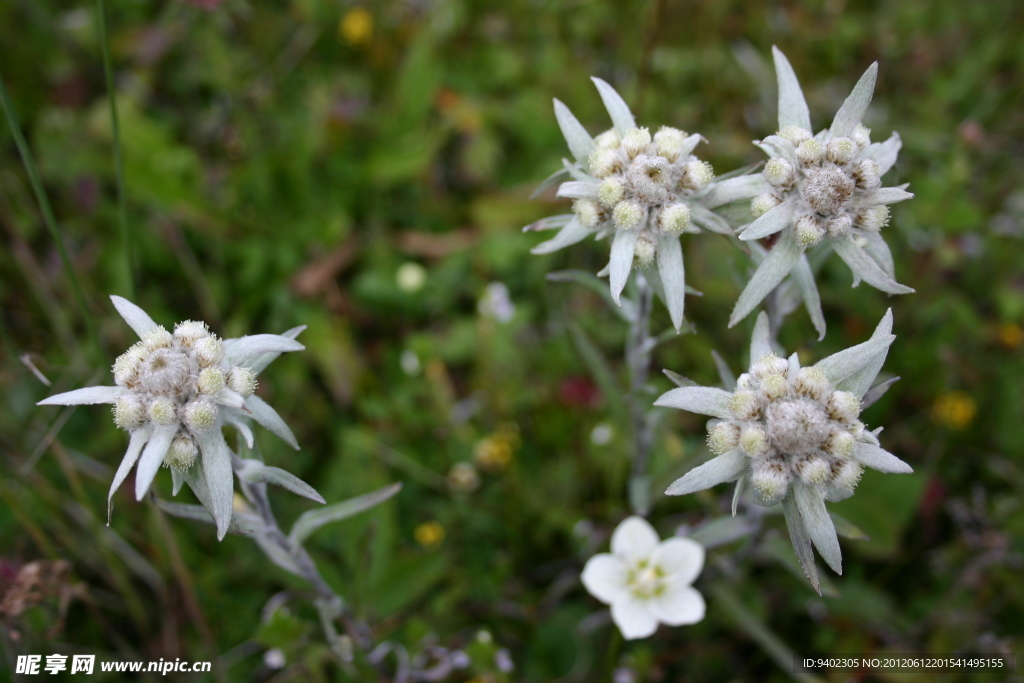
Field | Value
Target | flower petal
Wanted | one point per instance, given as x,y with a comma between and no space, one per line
634,539
734,190
138,439
604,577
576,136
219,478
819,525
770,223
884,153
865,267
879,459
673,277
860,381
136,318
702,400
887,195
847,362
634,617
85,396
804,279
571,233
800,540
244,349
725,467
260,363
856,105
268,417
780,260
576,189
153,457
680,604
621,262
617,108
682,558
760,340
792,106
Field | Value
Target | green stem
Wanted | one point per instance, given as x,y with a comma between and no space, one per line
122,209
47,211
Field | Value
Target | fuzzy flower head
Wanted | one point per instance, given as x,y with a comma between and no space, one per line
793,435
174,391
640,186
647,581
823,188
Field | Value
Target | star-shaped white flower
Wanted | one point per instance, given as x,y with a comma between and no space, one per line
174,393
642,189
646,581
793,435
823,188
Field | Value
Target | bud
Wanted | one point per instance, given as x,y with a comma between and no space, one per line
809,230
865,173
839,225
190,331
779,172
846,474
126,367
827,188
861,136
182,453
129,411
841,150
770,478
744,404
774,386
158,338
628,215
611,191
588,212
754,442
763,203
813,469
843,406
669,142
745,381
874,218
809,152
211,380
162,411
769,364
813,383
674,219
604,162
723,438
209,351
840,443
200,416
645,250
242,381
635,141
697,175
610,139
795,134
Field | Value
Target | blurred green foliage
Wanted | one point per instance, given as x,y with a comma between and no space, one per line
285,160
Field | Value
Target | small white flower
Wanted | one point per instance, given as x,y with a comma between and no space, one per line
641,190
175,392
646,581
794,435
822,188
496,303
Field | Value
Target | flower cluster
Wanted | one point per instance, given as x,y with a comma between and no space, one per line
175,391
793,434
647,581
641,188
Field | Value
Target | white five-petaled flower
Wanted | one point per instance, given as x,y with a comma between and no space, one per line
823,188
174,393
793,435
644,189
647,582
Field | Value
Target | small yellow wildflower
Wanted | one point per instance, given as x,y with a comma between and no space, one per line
1011,335
429,534
356,27
954,409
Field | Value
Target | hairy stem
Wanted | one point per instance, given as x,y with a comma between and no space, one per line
638,362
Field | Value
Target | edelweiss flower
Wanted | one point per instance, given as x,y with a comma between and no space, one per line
174,393
645,581
644,189
823,188
794,435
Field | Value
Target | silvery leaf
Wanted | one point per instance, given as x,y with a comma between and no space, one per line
621,262
136,318
760,340
617,108
734,190
804,279
779,262
860,380
268,417
138,439
879,459
848,362
85,396
770,223
250,347
216,465
575,189
876,392
673,277
884,153
152,457
312,520
728,379
865,267
576,136
801,540
707,219
255,472
701,400
725,467
819,525
571,233
856,105
792,106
